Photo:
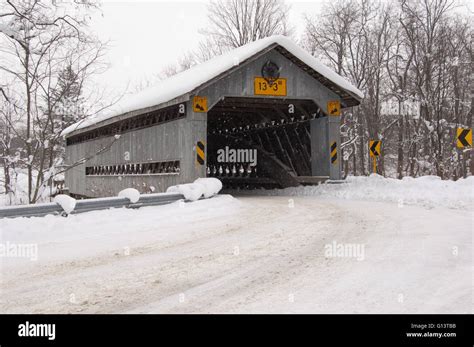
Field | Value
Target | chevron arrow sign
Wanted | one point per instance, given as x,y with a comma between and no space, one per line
464,137
374,147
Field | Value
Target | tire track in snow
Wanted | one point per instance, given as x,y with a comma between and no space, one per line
281,252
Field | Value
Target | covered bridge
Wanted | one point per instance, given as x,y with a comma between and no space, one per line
263,115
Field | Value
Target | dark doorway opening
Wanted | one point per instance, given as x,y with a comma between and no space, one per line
277,129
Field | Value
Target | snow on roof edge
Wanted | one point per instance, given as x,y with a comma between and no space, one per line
191,79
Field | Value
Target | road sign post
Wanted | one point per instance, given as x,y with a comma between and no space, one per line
463,140
374,151
333,109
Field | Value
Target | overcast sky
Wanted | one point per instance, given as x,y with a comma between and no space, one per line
148,35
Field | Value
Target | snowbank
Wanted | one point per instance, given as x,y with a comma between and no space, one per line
429,191
67,203
191,191
206,187
191,79
212,186
131,194
98,232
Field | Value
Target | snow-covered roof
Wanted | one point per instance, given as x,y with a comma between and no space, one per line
189,80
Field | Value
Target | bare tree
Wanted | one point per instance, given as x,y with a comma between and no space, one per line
328,35
8,156
187,61
354,38
416,52
235,23
41,40
432,38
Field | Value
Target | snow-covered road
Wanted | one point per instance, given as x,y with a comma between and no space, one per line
245,254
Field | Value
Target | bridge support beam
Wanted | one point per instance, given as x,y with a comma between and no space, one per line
334,129
325,131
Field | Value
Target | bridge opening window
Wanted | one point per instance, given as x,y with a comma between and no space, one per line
137,122
150,168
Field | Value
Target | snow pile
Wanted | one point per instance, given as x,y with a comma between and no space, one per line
59,177
191,191
212,186
66,202
206,187
191,79
429,191
131,194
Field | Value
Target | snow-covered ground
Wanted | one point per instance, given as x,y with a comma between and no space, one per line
369,245
428,191
19,182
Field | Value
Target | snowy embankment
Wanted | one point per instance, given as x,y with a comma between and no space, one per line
428,191
86,234
266,254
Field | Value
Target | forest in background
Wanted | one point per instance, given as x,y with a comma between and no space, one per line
412,59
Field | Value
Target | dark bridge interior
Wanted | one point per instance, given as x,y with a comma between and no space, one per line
277,128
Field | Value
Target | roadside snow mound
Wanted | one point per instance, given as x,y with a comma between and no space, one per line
191,191
131,194
206,187
428,191
211,185
66,202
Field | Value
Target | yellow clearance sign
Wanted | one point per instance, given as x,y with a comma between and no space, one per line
334,108
200,104
263,87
